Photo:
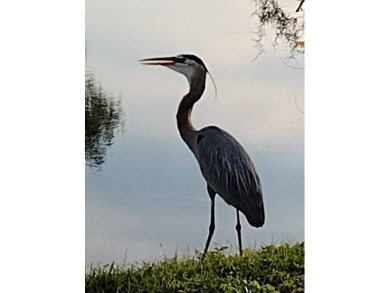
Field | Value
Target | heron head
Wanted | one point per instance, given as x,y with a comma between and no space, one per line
186,64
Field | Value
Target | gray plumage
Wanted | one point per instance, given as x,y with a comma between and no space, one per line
228,169
225,165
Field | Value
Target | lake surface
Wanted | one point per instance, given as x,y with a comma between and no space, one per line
149,199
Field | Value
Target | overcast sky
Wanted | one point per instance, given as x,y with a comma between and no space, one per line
151,191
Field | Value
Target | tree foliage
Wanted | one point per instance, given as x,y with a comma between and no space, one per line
288,29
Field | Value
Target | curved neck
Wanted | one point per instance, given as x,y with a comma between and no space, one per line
186,129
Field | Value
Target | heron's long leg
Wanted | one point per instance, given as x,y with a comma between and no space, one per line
212,219
238,228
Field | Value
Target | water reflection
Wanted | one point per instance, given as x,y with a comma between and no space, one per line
103,118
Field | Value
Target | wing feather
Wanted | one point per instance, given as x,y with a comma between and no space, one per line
229,170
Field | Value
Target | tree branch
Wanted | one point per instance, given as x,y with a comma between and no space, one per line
300,5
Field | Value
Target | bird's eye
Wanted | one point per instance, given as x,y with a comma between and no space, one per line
180,59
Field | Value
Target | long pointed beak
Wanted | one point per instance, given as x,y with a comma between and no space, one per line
158,61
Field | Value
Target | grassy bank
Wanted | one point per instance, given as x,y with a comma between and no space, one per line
266,270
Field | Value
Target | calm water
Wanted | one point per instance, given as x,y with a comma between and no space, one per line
147,198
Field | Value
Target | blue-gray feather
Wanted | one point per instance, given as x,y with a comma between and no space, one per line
230,172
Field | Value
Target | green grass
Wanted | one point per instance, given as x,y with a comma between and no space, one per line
267,270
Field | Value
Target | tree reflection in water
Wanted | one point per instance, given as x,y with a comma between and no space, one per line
103,118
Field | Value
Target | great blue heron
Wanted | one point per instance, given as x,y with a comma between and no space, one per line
224,163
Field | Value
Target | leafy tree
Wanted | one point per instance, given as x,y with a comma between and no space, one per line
288,29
